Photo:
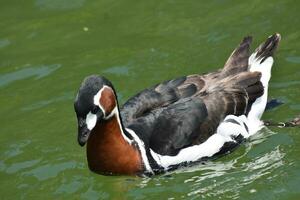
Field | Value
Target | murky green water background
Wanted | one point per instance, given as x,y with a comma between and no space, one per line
48,46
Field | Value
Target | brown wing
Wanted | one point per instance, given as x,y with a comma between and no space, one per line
168,92
232,95
193,119
161,95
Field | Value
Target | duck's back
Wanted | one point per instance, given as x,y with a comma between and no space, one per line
187,111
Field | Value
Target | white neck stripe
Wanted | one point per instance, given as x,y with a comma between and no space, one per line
139,142
142,149
97,99
115,111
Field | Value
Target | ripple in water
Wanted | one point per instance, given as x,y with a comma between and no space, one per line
37,72
219,178
118,70
50,170
4,43
59,4
255,161
293,59
43,103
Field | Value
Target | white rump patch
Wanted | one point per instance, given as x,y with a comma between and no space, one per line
258,107
264,67
230,129
90,120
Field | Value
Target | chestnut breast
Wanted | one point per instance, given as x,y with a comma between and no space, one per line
109,153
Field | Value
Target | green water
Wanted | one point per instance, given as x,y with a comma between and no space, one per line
47,47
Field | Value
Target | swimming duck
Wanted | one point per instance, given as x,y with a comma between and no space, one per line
177,122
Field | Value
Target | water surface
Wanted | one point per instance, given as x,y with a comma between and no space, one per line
48,47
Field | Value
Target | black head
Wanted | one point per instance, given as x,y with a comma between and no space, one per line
95,101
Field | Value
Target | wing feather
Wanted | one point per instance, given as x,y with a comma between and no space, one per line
177,126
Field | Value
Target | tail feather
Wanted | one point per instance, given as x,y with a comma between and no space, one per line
252,74
238,60
267,48
263,52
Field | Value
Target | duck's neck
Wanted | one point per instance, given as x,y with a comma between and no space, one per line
109,151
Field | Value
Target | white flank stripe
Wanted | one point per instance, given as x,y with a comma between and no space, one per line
191,154
225,133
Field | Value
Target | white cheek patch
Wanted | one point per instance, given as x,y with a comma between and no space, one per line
91,120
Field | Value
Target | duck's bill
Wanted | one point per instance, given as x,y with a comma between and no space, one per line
83,134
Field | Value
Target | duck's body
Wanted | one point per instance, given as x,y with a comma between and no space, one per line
179,121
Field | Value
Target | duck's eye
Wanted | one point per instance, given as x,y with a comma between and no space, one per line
95,109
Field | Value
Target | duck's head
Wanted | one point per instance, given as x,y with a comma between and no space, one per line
95,102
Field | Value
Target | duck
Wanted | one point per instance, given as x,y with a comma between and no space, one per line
178,122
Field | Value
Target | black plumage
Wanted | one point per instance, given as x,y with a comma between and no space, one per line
187,111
